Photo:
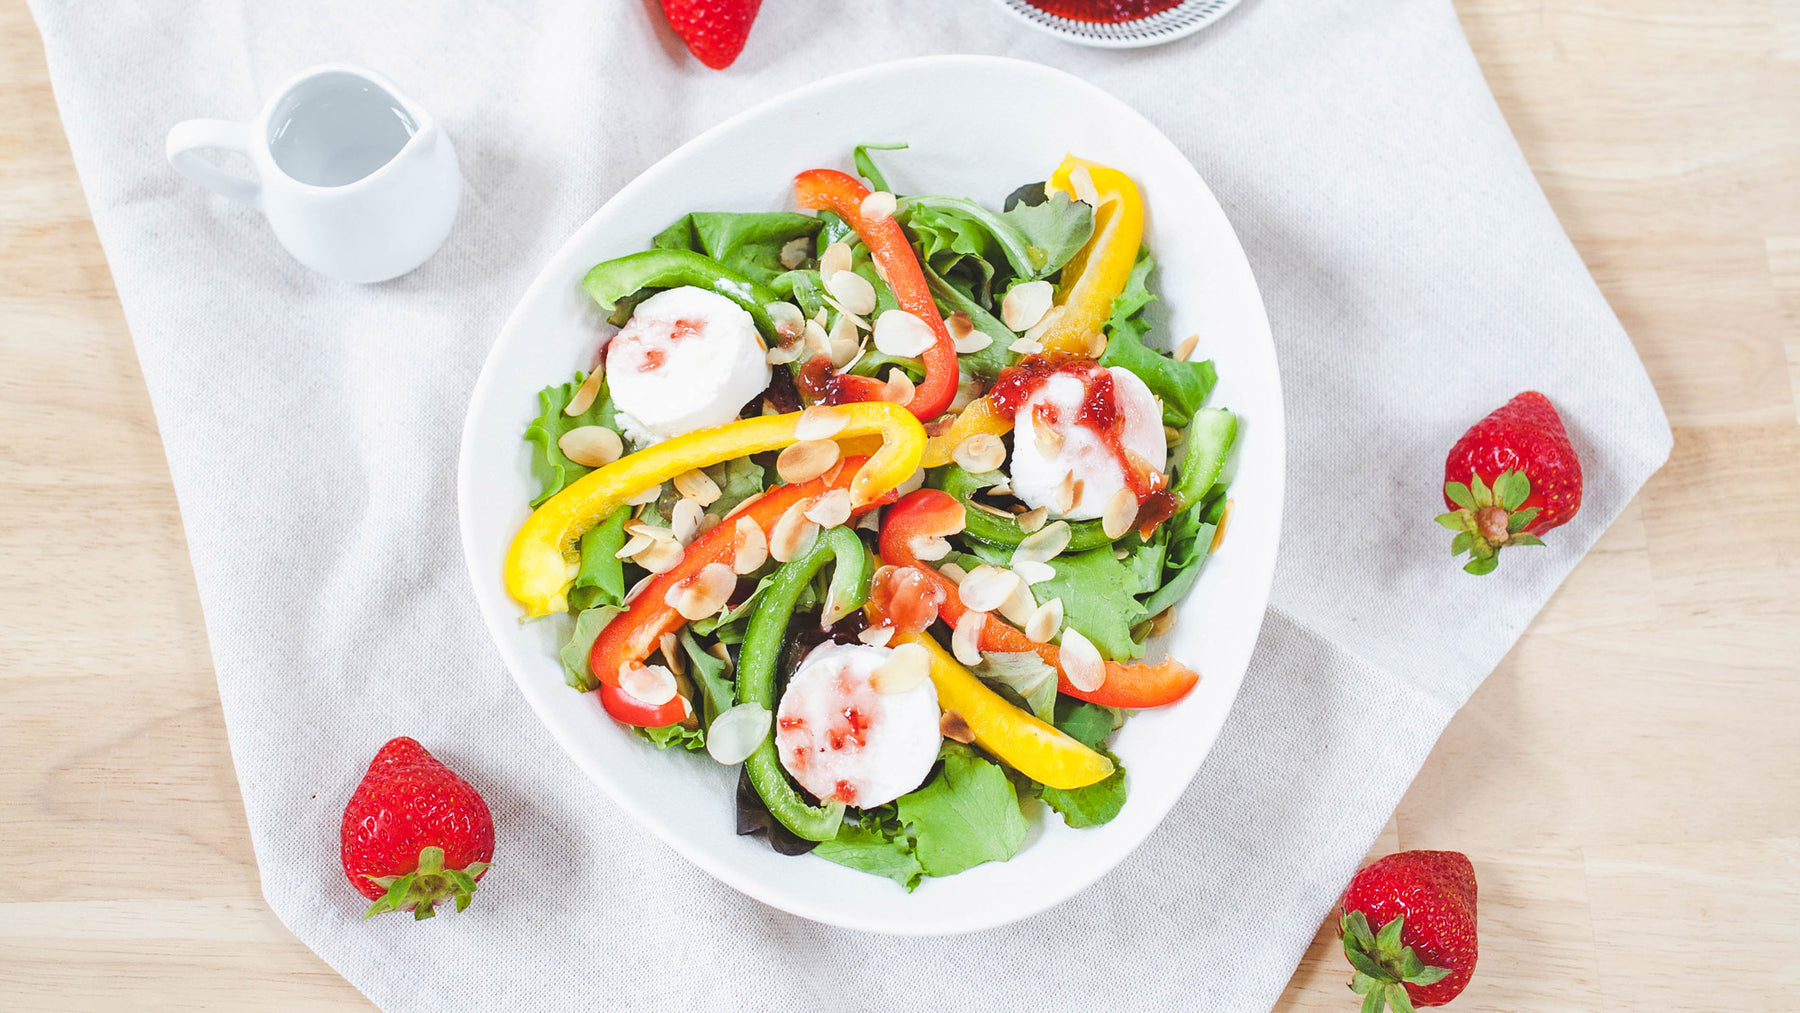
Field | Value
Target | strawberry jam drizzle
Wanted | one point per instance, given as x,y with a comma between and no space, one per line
1108,12
1099,413
824,385
904,599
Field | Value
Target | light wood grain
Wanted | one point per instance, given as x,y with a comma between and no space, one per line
1627,782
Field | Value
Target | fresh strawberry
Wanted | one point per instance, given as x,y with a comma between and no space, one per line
1513,476
415,833
714,30
1424,951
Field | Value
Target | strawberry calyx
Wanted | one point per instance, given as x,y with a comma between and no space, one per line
423,888
1384,965
1488,518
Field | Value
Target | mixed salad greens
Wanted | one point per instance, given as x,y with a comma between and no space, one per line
882,499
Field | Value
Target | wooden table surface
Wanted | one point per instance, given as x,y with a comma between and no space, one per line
1627,782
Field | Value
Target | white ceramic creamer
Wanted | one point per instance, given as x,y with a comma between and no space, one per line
357,181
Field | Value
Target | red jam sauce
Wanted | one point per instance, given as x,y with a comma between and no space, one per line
1110,12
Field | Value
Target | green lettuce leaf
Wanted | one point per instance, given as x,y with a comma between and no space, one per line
866,848
718,692
1054,230
748,243
1182,386
986,364
691,739
575,653
1097,803
601,579
1097,596
865,164
967,814
738,479
1024,673
552,467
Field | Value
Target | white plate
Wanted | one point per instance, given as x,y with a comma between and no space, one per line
1177,22
958,147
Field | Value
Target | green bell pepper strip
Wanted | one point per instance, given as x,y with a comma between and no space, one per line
613,280
985,527
1209,439
756,669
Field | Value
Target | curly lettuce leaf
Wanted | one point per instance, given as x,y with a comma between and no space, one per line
552,467
668,736
574,654
869,847
712,674
738,479
967,814
1054,229
1097,593
1182,386
986,364
747,242
1097,803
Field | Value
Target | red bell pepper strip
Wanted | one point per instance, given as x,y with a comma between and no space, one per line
632,635
819,189
928,512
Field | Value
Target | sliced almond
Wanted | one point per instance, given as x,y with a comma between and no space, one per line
1096,344
879,206
806,460
1120,510
1163,622
584,395
1047,440
1082,182
1033,519
752,549
876,636
591,446
987,587
967,390
852,291
1024,305
721,652
1186,348
965,640
908,666
703,594
899,387
698,486
1171,436
789,322
649,495
990,509
952,726
1081,662
821,422
902,334
651,684
1033,572
836,258
870,521
638,588
648,530
1018,606
781,355
961,327
1004,489
1066,493
979,453
795,251
843,342
1025,346
684,521
793,533
912,483
670,647
814,340
744,504
737,733
1218,537
1044,544
929,548
661,556
953,573
635,545
830,510
1045,621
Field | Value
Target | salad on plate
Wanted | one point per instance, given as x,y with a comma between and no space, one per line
884,499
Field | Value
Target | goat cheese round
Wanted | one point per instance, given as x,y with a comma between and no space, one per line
1074,447
687,359
845,742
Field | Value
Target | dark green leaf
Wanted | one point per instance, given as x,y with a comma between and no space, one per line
967,814
1097,593
1388,939
712,675
1054,229
1087,723
1429,976
1097,803
1356,926
748,243
601,568
1183,386
865,165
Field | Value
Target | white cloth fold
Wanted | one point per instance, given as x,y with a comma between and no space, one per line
1415,278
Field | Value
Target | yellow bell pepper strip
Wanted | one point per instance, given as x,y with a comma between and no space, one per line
544,558
1095,276
979,416
1021,740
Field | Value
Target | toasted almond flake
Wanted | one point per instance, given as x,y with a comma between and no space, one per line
1025,346
972,343
795,251
830,510
952,726
979,453
832,473
1024,305
1045,621
876,636
1066,493
953,572
782,354
737,733
1033,519
1033,572
852,291
929,548
1219,533
744,504
843,342
898,389
651,684
789,322
684,520
965,640
703,594
721,652
987,587
1081,661
855,320
1120,552
835,258
960,325
990,509
661,556
902,334
1019,605
814,340
806,460
638,588
649,495
904,669
1044,544
591,446
1120,510
793,533
1048,441
967,390
698,486
648,530
1003,489
671,652
1096,344
1186,348
1138,463
821,422
870,521
1171,436
584,395
1082,182
878,206
1162,622
913,483
635,545
752,546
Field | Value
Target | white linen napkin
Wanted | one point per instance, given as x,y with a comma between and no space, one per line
1414,275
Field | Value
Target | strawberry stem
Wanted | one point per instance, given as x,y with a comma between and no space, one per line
1384,965
429,883
1488,518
